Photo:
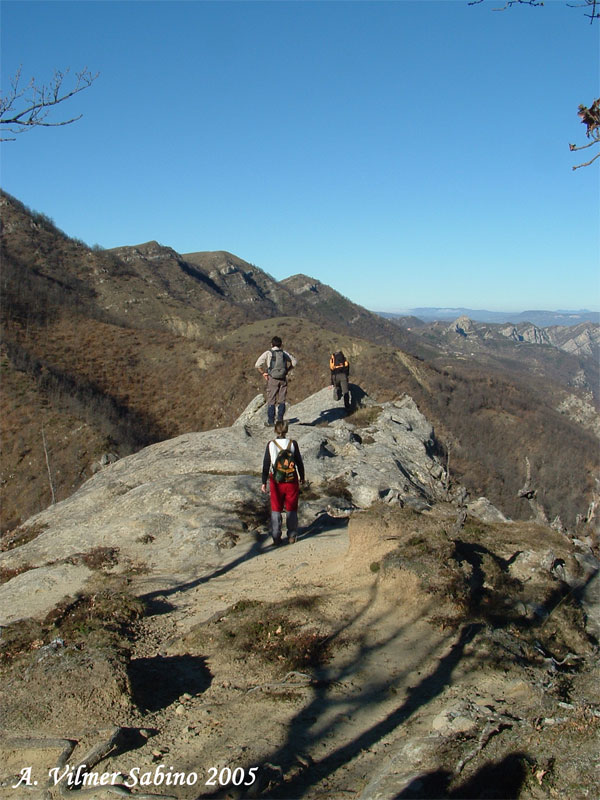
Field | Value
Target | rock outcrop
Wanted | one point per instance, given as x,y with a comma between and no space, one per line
175,506
408,643
463,326
526,333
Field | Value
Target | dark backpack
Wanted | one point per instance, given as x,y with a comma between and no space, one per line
279,366
284,468
338,362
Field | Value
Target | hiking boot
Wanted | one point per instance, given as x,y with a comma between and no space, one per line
292,539
277,542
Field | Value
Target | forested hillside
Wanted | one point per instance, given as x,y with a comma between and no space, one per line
105,352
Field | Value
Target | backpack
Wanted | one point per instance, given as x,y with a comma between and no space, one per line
338,362
284,468
279,365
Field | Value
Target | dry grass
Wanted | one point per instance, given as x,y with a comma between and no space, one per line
105,618
365,417
21,536
99,558
281,634
8,573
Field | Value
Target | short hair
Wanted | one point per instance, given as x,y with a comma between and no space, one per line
276,341
281,427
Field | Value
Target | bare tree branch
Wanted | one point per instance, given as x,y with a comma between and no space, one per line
591,4
529,492
48,464
27,106
590,117
510,3
587,163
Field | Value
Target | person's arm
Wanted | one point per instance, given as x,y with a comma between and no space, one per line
261,364
299,462
265,469
266,466
293,360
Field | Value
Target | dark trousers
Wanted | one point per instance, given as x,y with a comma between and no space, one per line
341,387
276,394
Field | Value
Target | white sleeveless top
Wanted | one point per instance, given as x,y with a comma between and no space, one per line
274,450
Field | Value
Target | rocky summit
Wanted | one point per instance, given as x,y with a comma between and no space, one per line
175,506
413,642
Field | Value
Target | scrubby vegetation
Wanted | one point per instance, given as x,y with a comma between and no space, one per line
112,351
105,618
283,634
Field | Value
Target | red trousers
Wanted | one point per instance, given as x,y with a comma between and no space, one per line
284,494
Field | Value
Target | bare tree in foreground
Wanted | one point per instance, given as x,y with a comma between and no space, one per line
592,5
589,116
591,119
27,106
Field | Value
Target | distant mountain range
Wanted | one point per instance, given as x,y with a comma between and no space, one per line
542,319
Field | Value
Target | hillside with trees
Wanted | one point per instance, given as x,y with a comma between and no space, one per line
104,352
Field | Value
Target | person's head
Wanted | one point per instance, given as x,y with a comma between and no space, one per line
281,428
276,341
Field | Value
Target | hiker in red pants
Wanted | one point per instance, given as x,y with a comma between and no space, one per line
283,466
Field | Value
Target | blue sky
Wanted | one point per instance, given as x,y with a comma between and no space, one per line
406,153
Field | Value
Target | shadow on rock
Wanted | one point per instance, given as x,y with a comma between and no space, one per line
156,606
324,522
325,417
337,410
157,682
502,780
131,739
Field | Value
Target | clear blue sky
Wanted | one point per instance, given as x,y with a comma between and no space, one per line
406,153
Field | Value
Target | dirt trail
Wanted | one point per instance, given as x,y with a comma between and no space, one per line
387,703
288,720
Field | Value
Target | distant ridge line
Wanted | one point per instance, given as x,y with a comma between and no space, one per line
541,318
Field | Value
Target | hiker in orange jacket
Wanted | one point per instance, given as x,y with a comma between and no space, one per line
340,371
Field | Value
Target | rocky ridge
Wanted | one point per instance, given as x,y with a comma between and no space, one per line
153,506
579,340
95,341
411,643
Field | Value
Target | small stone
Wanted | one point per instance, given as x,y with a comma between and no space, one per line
519,689
462,724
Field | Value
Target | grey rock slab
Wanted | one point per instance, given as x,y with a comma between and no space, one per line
185,516
483,510
34,593
590,599
402,771
175,508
